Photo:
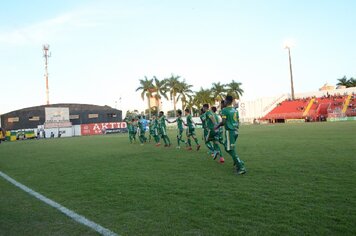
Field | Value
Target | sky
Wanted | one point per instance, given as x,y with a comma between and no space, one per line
100,49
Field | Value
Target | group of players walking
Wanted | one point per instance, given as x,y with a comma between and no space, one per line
211,122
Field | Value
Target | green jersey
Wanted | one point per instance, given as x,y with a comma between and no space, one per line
151,126
162,121
130,127
141,126
218,120
155,124
134,125
203,120
190,122
180,123
231,116
211,120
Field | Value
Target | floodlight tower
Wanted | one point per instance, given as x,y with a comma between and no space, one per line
287,46
46,55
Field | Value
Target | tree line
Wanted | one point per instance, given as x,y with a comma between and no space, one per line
348,83
176,89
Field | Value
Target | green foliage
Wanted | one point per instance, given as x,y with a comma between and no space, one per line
160,89
182,91
234,89
348,83
173,84
147,88
300,181
218,91
203,96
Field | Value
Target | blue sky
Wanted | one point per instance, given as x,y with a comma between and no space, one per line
101,48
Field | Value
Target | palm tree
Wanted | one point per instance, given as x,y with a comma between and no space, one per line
146,85
343,81
160,89
218,91
184,93
190,104
173,87
348,83
352,82
203,96
234,89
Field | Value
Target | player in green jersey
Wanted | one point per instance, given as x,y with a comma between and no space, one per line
191,130
156,133
135,127
130,129
151,130
212,135
205,132
221,129
180,123
230,120
128,124
141,130
163,129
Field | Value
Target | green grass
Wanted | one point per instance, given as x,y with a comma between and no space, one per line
301,181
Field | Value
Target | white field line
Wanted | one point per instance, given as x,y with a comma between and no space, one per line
78,218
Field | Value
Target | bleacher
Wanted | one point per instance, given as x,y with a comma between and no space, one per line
351,107
314,109
288,109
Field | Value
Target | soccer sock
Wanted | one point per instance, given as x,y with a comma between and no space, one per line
239,161
236,159
217,148
196,141
164,140
189,142
182,140
233,156
209,146
178,140
168,140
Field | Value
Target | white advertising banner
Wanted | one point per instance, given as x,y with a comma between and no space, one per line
57,117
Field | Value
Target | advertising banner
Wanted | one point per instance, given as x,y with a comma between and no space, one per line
295,120
335,119
102,128
57,114
57,117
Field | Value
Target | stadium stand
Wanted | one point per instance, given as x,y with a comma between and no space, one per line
313,108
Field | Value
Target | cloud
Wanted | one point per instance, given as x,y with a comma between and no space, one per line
49,29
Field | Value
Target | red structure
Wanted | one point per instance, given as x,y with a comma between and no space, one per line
314,109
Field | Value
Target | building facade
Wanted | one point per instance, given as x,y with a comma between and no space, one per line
79,114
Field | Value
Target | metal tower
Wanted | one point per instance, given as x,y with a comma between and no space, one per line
46,55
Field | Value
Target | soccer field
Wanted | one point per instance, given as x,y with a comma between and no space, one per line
301,181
